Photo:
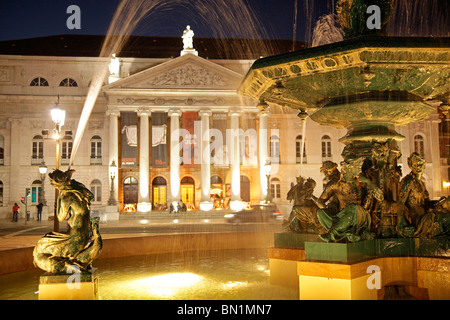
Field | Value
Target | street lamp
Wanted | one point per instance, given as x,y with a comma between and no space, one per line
112,175
58,117
267,169
43,172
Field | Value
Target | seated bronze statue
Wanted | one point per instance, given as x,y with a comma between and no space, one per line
81,245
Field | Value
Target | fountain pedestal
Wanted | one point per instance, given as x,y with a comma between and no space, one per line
76,286
324,270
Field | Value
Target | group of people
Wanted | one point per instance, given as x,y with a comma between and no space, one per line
16,211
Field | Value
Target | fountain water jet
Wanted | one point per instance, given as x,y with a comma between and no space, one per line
219,15
368,84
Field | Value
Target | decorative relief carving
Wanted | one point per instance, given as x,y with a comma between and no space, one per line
162,101
189,76
96,124
5,74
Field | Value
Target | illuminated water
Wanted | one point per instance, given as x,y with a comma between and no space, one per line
211,275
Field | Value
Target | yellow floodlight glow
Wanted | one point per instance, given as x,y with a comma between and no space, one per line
167,285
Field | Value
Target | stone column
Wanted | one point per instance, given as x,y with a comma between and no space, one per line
433,134
112,210
175,154
235,166
144,204
263,156
205,203
15,191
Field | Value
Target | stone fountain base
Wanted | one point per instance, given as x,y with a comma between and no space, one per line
360,270
76,286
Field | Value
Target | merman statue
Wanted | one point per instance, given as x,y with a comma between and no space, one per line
81,245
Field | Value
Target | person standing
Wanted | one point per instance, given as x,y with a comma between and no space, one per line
39,211
15,212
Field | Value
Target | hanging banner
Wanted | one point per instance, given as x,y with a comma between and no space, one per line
218,139
248,140
159,139
191,140
129,139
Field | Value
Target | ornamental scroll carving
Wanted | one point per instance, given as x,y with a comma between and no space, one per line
189,76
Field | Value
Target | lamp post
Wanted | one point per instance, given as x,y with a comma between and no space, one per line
267,169
43,172
112,175
58,117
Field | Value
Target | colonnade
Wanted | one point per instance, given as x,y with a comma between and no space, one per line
174,163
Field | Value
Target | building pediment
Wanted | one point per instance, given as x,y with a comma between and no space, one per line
188,72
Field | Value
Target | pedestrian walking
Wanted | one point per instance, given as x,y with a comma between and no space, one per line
39,212
15,212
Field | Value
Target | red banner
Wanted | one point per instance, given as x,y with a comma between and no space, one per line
191,140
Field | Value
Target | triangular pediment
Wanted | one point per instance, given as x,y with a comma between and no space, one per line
186,72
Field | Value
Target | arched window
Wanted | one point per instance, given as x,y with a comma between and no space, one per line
68,82
96,189
419,145
37,152
96,150
1,193
326,148
275,188
36,189
298,146
2,150
39,82
216,180
274,147
245,189
66,149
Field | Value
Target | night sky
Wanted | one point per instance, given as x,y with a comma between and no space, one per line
20,19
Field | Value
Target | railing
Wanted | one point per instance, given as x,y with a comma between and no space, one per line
37,160
96,160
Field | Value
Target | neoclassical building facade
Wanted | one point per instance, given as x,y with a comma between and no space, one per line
167,129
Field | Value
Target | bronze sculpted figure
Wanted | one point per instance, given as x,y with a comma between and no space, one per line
82,244
420,216
354,192
303,217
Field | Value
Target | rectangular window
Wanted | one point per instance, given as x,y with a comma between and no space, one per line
35,192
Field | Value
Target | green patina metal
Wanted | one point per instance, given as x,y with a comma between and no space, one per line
62,253
368,84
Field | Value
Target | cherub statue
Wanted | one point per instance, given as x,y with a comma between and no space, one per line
81,245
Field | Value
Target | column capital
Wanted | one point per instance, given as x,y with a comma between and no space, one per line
175,112
263,113
143,112
205,113
113,113
235,113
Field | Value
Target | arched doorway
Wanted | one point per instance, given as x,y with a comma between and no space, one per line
159,185
217,192
188,192
130,191
245,189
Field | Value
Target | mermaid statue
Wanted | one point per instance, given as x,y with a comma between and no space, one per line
81,245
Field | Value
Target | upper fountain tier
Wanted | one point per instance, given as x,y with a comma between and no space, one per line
367,83
367,78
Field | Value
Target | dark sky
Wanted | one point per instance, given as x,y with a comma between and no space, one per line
21,19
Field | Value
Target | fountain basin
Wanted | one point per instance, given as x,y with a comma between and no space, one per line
310,77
